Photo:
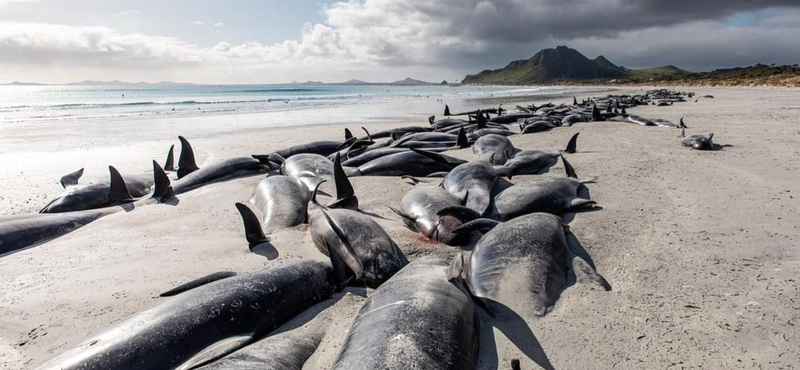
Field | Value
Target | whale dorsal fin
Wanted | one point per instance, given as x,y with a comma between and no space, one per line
431,119
462,141
252,226
186,163
118,191
572,146
481,119
161,184
71,178
345,195
347,134
446,110
169,164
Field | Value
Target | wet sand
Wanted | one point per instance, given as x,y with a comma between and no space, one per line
701,248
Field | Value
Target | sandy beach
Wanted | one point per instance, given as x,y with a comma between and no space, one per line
701,248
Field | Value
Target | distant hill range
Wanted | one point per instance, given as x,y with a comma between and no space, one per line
406,82
563,65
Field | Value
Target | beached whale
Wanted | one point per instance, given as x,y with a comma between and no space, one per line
523,264
192,177
472,183
697,142
495,149
98,193
555,195
23,231
282,201
352,233
435,213
311,169
529,127
207,322
411,163
416,320
535,162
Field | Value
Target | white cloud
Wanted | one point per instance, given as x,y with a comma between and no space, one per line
392,38
127,13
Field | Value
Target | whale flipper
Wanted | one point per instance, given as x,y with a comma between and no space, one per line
118,192
71,178
186,163
198,282
348,255
584,273
568,168
216,351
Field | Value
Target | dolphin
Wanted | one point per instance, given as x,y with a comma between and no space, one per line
416,320
523,264
556,195
697,142
98,194
191,177
535,162
18,232
208,322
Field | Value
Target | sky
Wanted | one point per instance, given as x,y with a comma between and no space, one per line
271,41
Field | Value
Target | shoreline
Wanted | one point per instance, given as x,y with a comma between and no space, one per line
700,248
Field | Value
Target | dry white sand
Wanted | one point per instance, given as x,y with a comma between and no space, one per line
701,248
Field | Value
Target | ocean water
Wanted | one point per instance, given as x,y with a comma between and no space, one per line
46,105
